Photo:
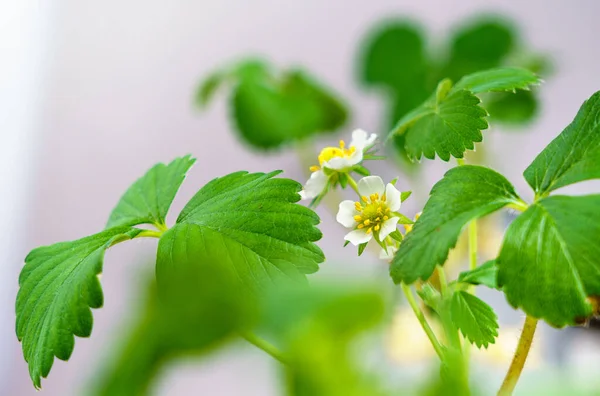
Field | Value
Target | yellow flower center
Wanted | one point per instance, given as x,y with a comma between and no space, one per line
332,152
373,211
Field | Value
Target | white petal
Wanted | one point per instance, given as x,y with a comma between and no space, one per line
387,227
392,197
346,213
361,139
357,237
315,185
341,163
391,250
371,185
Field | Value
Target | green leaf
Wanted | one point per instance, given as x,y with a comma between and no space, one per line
549,264
198,309
271,109
447,124
250,223
58,286
480,44
148,200
511,108
476,320
316,329
486,274
498,80
573,156
465,193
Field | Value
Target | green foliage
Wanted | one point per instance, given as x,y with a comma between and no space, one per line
148,200
451,121
474,318
549,264
58,286
498,80
271,109
465,193
250,223
485,274
447,124
395,60
573,156
316,328
198,309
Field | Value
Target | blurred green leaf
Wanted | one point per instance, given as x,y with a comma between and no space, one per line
148,200
476,320
549,264
250,223
465,193
511,108
271,109
58,286
316,328
572,157
194,311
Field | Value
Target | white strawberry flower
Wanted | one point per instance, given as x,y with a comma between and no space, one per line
337,159
374,214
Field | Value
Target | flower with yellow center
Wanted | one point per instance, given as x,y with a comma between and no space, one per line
374,214
337,159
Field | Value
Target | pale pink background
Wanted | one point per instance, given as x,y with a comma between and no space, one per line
114,84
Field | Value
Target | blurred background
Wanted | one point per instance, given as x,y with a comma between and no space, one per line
94,93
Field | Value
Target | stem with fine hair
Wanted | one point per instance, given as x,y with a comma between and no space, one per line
421,317
518,362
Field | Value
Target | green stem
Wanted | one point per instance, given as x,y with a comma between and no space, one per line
460,161
265,346
353,184
518,362
443,281
421,317
519,205
149,234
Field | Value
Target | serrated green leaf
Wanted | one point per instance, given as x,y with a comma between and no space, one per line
573,156
148,200
250,223
58,286
498,80
446,126
476,320
486,274
549,264
465,193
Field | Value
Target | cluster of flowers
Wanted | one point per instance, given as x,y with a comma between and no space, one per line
375,214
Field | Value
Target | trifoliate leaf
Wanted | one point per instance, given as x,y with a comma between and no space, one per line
58,286
476,320
573,156
447,124
486,274
498,80
549,264
249,223
465,193
148,200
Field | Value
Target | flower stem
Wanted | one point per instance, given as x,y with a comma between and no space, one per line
353,184
149,234
518,362
421,317
265,346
